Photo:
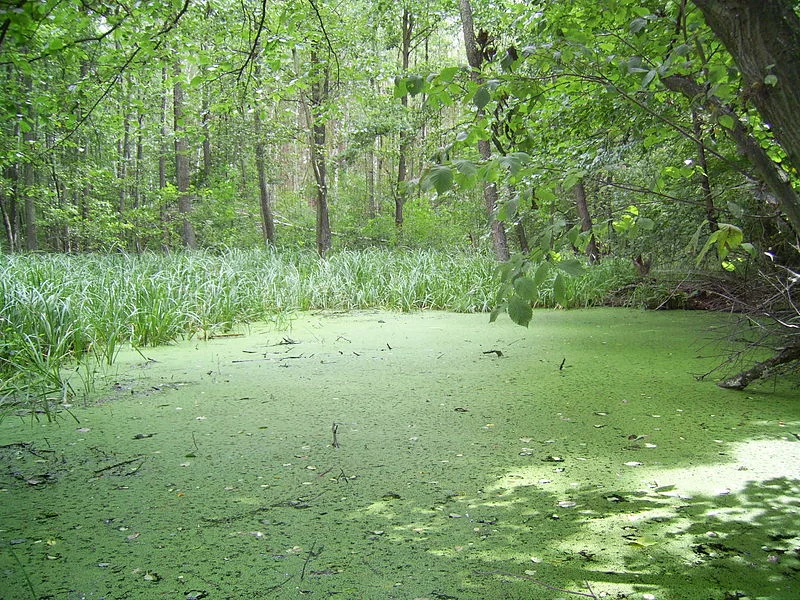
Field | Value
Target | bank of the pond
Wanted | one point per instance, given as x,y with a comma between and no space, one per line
424,455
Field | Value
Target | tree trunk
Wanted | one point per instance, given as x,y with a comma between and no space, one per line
763,36
586,221
162,155
207,157
372,210
28,174
768,170
264,191
124,158
705,180
762,369
405,136
490,197
182,163
319,95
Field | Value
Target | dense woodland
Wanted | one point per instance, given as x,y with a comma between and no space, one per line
662,134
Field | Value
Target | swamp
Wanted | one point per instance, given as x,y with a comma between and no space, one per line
374,454
416,300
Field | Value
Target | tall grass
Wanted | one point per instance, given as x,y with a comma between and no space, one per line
59,311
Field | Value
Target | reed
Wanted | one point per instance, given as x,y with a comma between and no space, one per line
59,311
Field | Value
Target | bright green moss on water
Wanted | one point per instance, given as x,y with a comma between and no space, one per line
586,457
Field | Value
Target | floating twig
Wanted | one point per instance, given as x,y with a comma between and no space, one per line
311,554
334,430
122,464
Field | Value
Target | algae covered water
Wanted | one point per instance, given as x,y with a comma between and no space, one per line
427,455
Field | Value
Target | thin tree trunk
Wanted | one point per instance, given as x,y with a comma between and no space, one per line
407,30
705,181
28,174
264,191
370,170
319,95
207,156
490,197
124,157
586,220
182,163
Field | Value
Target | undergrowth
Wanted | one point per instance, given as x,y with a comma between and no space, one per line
62,317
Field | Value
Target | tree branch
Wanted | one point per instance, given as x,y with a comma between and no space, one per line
769,171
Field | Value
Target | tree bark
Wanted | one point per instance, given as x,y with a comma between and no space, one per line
28,174
405,136
767,169
490,196
182,163
763,36
586,220
264,191
762,369
705,180
319,95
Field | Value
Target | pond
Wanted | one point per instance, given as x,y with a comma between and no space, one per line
412,455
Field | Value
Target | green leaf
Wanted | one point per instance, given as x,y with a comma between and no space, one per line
415,84
439,177
526,288
648,78
771,79
520,311
447,75
637,25
514,161
482,97
466,167
400,89
496,312
541,274
726,121
545,195
572,267
560,290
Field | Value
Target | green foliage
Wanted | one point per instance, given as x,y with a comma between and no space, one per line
527,282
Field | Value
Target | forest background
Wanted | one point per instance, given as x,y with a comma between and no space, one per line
656,137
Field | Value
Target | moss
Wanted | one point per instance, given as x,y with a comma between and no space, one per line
585,458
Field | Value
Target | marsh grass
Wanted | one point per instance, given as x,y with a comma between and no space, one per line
62,315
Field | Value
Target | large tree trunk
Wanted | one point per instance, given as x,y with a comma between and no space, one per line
490,196
182,163
763,36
